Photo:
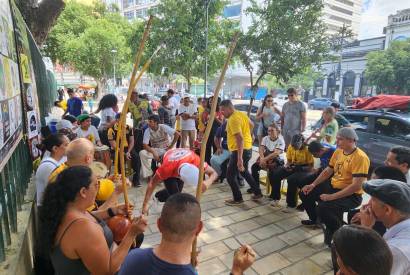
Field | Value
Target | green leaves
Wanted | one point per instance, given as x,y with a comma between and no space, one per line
285,37
85,37
389,70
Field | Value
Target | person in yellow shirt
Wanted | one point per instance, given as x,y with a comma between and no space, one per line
239,137
299,162
338,188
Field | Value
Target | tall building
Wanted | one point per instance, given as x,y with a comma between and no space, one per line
337,13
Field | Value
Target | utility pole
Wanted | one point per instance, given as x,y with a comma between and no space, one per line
207,2
114,51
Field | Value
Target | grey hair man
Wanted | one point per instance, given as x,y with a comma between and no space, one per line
390,204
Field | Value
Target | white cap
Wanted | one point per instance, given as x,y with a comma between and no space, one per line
189,174
64,124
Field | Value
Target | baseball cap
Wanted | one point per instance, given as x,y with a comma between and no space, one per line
392,192
189,174
83,117
348,132
64,124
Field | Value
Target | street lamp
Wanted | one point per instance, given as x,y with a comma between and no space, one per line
114,51
207,2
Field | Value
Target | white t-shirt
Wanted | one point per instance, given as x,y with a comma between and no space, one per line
47,165
271,145
91,134
105,114
173,103
188,124
147,133
408,177
47,154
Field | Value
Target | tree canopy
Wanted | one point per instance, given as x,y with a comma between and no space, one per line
180,25
91,39
284,38
389,70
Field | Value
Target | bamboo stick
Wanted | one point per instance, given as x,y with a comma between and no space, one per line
123,131
130,89
207,132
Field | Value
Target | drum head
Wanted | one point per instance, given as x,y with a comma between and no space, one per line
99,169
101,148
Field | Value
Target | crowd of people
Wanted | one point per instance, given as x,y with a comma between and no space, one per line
164,147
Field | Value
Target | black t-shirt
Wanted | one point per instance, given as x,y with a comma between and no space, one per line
144,262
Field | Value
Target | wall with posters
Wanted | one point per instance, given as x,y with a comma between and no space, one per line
11,120
20,124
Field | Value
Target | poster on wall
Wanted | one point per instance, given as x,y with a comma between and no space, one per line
29,88
11,112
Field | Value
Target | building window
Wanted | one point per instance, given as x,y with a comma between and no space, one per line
129,15
346,2
232,11
340,19
142,13
127,3
342,10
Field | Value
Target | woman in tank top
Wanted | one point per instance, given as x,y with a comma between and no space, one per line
266,115
77,241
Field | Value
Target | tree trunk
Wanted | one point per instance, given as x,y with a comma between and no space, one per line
101,87
40,17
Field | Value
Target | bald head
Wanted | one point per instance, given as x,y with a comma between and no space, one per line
80,152
180,218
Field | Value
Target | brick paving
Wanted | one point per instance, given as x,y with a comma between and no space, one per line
282,244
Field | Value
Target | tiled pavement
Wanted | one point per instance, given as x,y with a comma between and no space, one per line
282,244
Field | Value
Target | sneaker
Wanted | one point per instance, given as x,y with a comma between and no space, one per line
249,191
256,197
275,203
309,223
289,209
233,202
327,237
300,207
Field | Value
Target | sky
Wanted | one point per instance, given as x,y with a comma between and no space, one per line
375,13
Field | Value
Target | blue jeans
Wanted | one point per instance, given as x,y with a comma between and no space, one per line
217,160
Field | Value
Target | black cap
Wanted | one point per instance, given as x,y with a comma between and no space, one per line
392,192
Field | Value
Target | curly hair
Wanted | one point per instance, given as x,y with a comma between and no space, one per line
56,198
107,101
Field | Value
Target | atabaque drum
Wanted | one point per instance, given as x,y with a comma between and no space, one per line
102,154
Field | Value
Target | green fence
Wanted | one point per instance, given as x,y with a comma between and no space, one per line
14,180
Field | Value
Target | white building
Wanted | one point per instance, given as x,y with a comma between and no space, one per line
337,13
398,27
350,80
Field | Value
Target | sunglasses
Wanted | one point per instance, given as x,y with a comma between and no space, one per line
269,100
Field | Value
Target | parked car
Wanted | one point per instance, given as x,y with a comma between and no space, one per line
379,131
321,103
243,106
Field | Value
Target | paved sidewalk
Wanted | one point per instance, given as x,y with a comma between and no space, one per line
282,244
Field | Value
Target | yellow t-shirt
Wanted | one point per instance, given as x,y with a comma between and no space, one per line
63,104
53,176
238,122
346,167
299,157
201,125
